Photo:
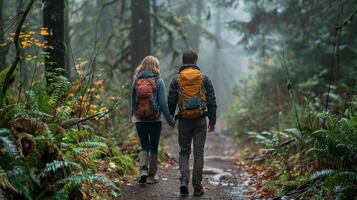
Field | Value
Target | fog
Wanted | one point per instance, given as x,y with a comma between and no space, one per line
221,57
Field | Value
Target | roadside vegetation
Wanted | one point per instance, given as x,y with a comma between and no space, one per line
298,112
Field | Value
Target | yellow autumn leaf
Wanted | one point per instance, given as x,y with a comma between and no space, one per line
92,112
44,32
104,109
112,165
29,58
81,64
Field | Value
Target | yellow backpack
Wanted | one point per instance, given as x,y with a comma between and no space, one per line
191,94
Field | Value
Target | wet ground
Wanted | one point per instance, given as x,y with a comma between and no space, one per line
223,179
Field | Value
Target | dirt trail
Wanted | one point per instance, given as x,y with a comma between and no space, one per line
223,179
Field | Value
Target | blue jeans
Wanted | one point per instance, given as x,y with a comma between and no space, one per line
149,134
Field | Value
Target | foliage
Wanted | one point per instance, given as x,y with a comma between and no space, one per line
54,161
291,88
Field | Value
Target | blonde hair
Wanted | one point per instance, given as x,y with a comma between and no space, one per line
150,64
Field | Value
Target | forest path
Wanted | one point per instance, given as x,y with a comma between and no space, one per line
223,179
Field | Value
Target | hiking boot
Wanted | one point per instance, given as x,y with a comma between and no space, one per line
198,192
184,191
143,175
152,179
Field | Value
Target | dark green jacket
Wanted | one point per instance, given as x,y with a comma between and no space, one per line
211,98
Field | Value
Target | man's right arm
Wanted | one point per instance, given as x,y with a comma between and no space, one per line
211,101
173,96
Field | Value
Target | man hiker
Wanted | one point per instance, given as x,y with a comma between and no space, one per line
194,94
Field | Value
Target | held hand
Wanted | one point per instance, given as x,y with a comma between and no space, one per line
211,127
173,124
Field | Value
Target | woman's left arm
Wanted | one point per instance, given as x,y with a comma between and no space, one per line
163,102
133,97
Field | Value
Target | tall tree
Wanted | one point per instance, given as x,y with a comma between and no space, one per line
53,20
67,39
154,28
2,50
198,26
141,32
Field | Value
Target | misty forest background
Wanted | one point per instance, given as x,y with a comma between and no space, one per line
284,72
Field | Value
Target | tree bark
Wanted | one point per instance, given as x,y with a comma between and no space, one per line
53,19
3,50
67,40
140,35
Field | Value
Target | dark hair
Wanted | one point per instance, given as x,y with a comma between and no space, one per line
189,57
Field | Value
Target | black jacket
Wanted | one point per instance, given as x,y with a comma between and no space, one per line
211,98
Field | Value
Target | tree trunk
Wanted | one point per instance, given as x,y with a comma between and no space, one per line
140,35
2,39
197,29
53,19
154,28
67,40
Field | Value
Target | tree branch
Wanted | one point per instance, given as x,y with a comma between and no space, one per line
7,81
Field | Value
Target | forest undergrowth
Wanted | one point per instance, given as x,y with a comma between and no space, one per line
297,117
68,141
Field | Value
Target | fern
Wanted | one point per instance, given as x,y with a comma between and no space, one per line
95,153
343,177
20,179
5,132
63,194
93,144
4,181
34,158
55,165
124,163
322,174
10,147
79,179
38,100
59,88
12,112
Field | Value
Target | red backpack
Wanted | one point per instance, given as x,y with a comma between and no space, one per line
146,91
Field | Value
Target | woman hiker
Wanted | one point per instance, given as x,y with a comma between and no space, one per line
148,101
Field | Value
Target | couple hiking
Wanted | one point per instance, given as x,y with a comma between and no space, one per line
193,93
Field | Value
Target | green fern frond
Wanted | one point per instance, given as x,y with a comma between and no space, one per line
63,194
34,158
19,175
4,181
93,145
10,147
59,88
79,179
322,174
5,132
124,163
38,99
293,132
55,165
344,177
95,153
99,138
